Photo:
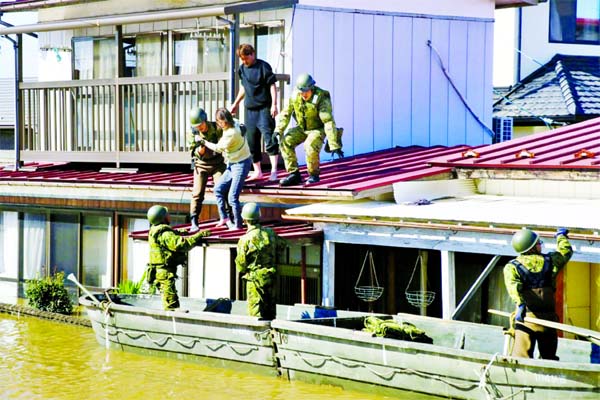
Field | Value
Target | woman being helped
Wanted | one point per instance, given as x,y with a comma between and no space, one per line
237,155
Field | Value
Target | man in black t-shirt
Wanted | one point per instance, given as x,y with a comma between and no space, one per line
260,94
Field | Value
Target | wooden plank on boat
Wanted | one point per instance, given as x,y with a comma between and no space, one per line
588,334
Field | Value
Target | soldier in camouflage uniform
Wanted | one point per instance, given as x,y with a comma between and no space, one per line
530,280
258,253
168,249
205,161
311,108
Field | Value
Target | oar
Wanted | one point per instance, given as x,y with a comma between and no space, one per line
587,334
73,279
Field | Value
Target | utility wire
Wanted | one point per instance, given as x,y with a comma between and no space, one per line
486,128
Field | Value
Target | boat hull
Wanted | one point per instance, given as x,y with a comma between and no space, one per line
465,361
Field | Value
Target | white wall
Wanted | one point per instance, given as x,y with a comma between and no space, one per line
536,47
460,8
505,43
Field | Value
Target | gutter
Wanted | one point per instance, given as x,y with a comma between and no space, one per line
434,226
144,17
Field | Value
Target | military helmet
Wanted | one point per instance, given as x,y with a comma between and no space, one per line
157,214
524,240
197,116
251,212
305,82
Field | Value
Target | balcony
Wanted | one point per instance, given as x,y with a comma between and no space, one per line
124,120
517,3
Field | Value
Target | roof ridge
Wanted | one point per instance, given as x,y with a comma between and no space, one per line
566,88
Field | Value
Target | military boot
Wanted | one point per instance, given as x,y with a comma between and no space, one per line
312,179
338,152
194,227
292,179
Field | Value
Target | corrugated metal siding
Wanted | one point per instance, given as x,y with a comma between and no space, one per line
387,86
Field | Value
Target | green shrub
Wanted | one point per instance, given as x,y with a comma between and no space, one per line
129,287
49,294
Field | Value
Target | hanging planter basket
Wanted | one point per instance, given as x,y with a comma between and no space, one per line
374,291
418,298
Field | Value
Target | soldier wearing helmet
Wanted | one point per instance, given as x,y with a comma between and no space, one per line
258,252
168,250
205,162
311,108
530,280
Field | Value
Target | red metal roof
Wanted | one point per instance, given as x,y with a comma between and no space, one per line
575,146
346,177
289,230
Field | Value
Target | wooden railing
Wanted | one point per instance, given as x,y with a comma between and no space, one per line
124,120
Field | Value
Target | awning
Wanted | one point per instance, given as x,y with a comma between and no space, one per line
295,232
143,17
502,214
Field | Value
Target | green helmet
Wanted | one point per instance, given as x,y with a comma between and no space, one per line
251,212
197,116
524,240
305,82
157,214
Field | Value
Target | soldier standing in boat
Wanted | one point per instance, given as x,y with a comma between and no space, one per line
168,249
258,253
530,280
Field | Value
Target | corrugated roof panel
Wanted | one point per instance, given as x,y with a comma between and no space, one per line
287,229
346,177
575,146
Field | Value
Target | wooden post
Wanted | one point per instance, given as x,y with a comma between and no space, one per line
303,275
391,283
424,254
448,284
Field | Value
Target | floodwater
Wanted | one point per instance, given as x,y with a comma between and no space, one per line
50,360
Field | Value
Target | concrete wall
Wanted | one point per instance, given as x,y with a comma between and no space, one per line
535,45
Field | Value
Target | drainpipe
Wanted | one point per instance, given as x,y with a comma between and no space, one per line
18,47
233,61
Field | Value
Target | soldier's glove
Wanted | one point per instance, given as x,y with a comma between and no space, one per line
200,141
562,231
337,152
520,315
277,137
197,237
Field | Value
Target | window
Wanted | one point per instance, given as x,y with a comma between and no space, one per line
9,244
575,21
202,52
94,58
96,251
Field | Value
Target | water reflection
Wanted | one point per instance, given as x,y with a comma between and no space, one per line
49,360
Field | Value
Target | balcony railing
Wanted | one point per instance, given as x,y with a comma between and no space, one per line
124,120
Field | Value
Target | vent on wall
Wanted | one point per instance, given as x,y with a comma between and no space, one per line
503,129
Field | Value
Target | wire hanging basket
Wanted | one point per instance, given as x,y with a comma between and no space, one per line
418,298
371,292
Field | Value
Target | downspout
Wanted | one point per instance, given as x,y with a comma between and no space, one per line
233,43
18,48
519,44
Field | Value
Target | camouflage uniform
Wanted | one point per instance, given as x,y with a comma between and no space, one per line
168,249
314,121
258,252
206,163
530,279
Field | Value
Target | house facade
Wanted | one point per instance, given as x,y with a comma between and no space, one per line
116,88
530,41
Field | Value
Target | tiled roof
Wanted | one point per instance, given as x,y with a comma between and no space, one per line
289,230
351,177
571,147
567,88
